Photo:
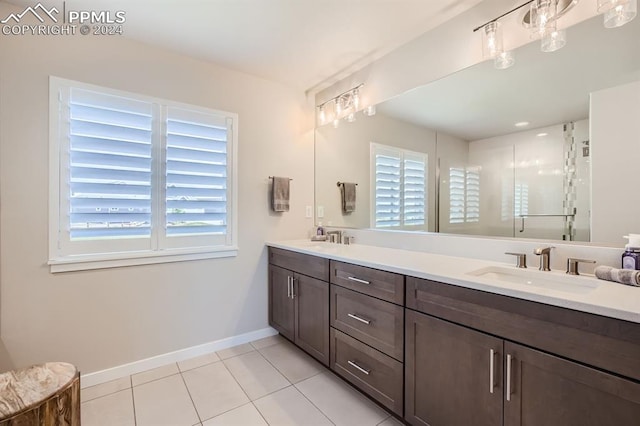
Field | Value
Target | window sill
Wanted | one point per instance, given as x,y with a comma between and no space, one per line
118,260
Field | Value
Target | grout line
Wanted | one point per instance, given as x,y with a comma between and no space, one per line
191,398
200,366
260,412
225,412
311,402
154,380
82,401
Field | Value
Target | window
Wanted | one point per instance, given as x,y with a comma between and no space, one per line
399,187
464,195
138,180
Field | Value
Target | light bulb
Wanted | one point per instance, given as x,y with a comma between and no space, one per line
351,117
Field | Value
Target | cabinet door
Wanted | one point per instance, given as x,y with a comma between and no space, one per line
281,304
551,391
451,378
312,316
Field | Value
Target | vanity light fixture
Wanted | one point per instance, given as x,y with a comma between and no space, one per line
542,19
617,12
521,124
345,105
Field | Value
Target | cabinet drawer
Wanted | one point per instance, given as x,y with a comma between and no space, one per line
373,372
375,322
305,264
383,285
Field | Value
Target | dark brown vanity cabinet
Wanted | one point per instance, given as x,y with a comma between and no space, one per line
299,300
367,331
465,368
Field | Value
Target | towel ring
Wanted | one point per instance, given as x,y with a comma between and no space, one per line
342,183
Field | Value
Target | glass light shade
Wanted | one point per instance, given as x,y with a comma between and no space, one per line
351,117
370,111
339,106
356,99
322,115
617,12
543,15
491,40
504,60
336,122
553,40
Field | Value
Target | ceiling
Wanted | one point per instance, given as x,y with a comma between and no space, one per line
543,89
301,43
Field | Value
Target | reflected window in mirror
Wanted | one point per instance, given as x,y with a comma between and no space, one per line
399,185
464,195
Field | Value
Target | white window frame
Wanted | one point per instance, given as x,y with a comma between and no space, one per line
139,251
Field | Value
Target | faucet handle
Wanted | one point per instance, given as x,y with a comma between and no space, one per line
572,265
521,259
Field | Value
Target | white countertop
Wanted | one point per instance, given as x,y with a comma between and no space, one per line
605,298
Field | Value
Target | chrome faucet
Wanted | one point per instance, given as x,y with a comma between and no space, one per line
545,257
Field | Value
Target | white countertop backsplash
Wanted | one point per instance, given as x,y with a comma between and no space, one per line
608,299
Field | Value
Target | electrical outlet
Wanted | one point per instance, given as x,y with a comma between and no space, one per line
320,211
308,212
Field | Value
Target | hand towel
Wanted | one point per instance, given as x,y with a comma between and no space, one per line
348,191
622,276
280,194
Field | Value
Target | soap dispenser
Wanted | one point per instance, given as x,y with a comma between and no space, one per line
631,255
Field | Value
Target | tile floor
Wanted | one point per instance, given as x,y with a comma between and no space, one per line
266,382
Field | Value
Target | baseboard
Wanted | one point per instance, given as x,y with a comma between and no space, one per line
102,376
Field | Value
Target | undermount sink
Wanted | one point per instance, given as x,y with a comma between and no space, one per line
540,279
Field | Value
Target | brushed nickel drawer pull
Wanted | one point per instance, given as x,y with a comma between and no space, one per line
355,317
492,361
509,361
357,367
288,287
293,287
358,280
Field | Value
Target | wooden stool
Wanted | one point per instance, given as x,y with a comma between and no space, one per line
41,395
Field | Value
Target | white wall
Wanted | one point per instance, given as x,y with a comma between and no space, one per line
342,154
615,127
99,319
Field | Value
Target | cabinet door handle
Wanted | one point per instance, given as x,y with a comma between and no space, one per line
358,280
355,317
357,367
293,287
509,361
288,287
492,363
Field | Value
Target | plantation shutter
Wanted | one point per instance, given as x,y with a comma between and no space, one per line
196,173
456,195
387,188
109,166
414,199
472,196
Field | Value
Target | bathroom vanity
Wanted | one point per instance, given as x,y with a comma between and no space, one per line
438,343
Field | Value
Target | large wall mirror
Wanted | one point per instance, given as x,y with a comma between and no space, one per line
507,153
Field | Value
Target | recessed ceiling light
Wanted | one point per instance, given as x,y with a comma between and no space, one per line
521,124
542,134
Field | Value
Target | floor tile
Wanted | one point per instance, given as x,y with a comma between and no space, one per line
256,376
155,374
292,362
268,341
391,421
214,390
235,351
342,404
289,407
164,402
115,409
247,415
93,392
198,361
